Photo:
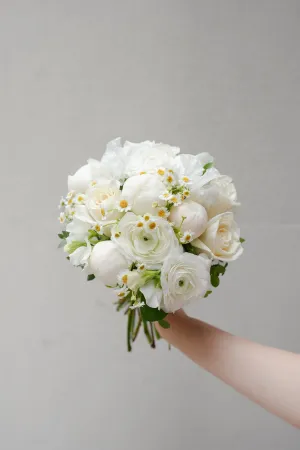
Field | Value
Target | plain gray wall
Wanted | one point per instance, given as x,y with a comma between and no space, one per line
217,76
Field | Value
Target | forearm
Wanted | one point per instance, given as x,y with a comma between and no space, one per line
268,376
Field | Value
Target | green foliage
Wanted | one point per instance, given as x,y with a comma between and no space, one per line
207,294
242,240
152,314
207,166
164,323
190,249
95,237
91,277
63,235
215,272
74,245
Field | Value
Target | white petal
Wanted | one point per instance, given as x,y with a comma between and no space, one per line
152,294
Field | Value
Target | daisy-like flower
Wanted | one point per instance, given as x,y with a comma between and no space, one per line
70,195
165,196
141,267
175,199
123,277
117,234
137,305
98,228
161,171
62,217
170,179
122,292
185,180
187,237
151,224
123,205
79,199
62,203
147,217
163,212
140,223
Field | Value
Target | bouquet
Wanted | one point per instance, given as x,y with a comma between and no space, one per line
154,225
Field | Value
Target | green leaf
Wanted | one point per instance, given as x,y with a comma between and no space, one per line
207,294
215,272
164,324
190,249
207,166
91,277
152,314
63,235
74,245
242,240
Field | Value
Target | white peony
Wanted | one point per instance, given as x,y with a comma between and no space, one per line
141,191
192,165
78,230
218,196
184,278
221,239
148,156
106,262
79,182
146,241
80,257
196,217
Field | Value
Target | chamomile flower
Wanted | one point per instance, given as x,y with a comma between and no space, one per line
79,199
161,171
70,195
170,179
117,234
122,292
151,225
187,237
163,212
175,199
123,205
147,217
62,203
62,217
98,228
185,180
185,194
165,196
123,277
141,267
140,223
137,305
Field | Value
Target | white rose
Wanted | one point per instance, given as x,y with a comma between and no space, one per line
148,242
147,156
196,217
221,239
79,182
184,278
218,196
141,191
106,262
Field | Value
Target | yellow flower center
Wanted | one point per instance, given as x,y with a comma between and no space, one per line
186,179
152,226
125,279
142,267
170,179
123,203
187,238
102,210
142,173
117,235
121,294
161,172
140,224
93,183
97,228
171,171
174,199
161,213
146,217
80,198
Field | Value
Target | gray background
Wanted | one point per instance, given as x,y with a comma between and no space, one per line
217,76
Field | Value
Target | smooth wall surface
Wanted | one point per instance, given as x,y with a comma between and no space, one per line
217,76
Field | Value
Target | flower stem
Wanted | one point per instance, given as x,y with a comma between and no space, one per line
136,331
152,335
146,331
129,324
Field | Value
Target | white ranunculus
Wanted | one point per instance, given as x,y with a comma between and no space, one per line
79,182
148,156
184,278
153,294
141,191
196,217
221,240
218,196
106,262
145,242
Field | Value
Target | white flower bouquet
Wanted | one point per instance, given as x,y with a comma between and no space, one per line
154,225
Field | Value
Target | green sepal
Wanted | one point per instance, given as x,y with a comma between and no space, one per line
242,240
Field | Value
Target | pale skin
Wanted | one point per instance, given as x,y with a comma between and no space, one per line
268,376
